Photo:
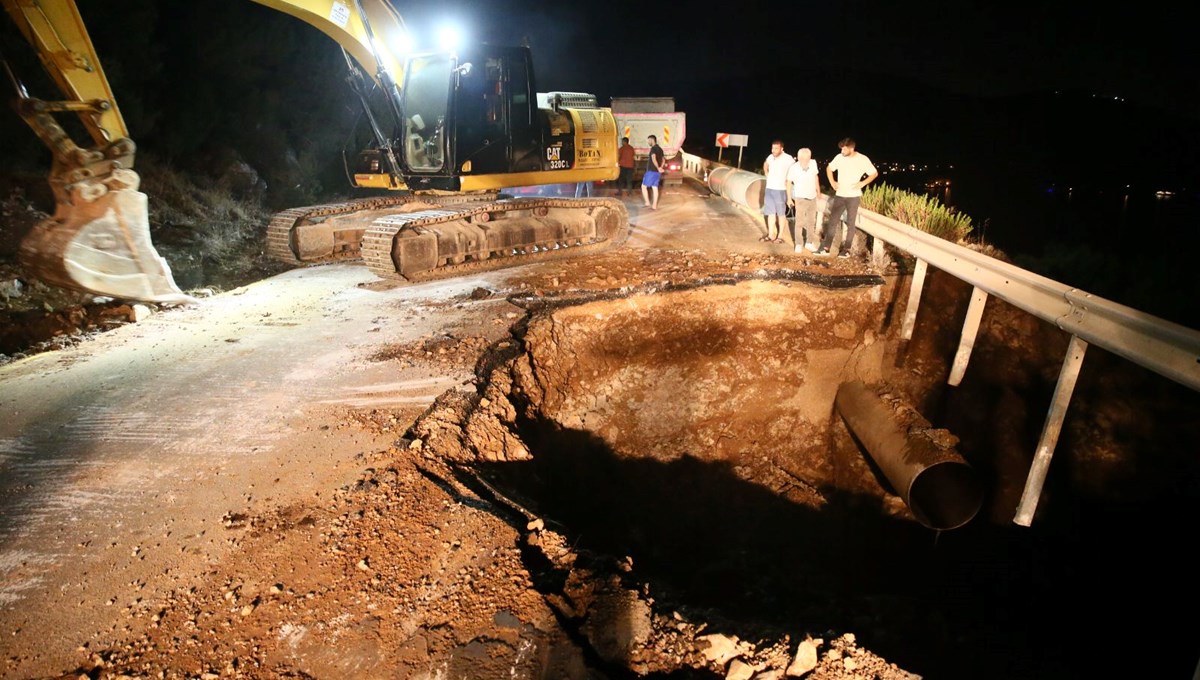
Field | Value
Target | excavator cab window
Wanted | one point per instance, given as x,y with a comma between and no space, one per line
426,99
480,116
523,137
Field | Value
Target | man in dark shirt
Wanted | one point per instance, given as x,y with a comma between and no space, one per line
656,164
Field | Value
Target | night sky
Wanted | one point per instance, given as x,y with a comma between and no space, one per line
906,80
1021,103
1134,50
930,82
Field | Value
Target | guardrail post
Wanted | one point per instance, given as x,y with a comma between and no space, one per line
914,299
1067,376
967,342
877,252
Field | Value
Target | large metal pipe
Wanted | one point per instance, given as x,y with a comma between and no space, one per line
935,482
740,186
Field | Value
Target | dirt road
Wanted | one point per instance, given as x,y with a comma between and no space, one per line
138,467
125,458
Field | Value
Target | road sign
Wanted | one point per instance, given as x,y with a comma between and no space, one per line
726,140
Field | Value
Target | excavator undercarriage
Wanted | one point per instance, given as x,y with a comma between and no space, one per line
421,238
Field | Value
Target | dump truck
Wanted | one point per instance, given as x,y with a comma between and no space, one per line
640,117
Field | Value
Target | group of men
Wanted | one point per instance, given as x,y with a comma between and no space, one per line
656,166
791,183
796,183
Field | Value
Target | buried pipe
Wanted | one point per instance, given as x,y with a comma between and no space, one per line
935,482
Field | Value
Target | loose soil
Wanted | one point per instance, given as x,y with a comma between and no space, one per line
632,468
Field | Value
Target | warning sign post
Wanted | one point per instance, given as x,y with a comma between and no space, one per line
725,139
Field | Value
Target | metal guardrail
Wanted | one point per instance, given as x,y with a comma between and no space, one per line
1167,348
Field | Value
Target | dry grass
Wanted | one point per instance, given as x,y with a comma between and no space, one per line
211,237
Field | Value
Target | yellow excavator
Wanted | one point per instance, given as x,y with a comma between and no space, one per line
459,128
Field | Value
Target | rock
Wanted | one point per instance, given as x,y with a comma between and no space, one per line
618,622
140,313
719,648
739,670
805,661
12,289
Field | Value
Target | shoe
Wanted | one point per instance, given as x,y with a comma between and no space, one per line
764,238
810,247
778,240
844,255
821,253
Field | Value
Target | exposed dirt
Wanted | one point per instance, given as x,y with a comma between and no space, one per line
645,477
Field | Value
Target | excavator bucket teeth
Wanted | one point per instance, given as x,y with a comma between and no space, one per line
102,247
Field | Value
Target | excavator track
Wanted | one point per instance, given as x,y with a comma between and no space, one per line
319,234
476,237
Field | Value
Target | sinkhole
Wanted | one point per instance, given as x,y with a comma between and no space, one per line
744,449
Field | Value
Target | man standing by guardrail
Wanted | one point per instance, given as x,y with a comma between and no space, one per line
804,187
775,198
854,171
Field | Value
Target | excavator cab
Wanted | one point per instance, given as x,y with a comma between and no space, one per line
474,121
469,113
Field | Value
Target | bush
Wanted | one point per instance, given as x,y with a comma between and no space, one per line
210,237
921,212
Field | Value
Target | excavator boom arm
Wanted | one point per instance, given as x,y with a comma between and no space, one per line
370,30
98,239
60,38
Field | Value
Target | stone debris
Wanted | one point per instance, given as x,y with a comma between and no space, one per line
718,648
739,670
805,660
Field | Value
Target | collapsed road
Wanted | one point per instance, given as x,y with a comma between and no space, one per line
624,466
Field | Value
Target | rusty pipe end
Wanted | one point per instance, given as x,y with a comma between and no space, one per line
945,495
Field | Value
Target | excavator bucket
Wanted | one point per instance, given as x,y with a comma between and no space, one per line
102,246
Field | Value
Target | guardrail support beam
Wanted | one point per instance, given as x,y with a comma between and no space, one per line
967,341
914,298
876,251
1067,376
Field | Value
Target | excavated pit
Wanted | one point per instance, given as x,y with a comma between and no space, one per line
691,437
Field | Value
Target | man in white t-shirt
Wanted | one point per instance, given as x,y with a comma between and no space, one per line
854,171
775,197
804,186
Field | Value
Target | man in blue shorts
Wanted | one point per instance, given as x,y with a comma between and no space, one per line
775,198
655,164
